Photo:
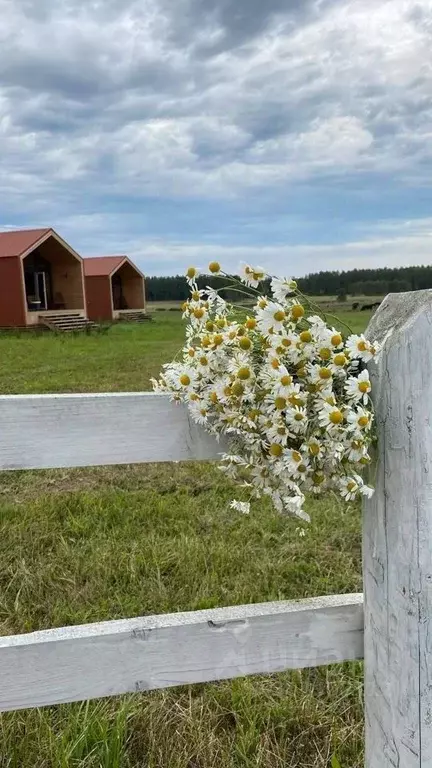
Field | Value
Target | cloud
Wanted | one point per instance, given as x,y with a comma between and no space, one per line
115,104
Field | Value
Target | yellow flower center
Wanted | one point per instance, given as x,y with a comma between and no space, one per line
203,361
276,449
227,391
209,326
301,372
336,339
298,416
297,311
199,313
275,363
258,276
254,413
221,322
351,486
362,346
262,303
281,431
286,342
325,353
195,295
339,359
244,373
364,386
191,352
302,468
296,456
314,449
241,331
296,400
218,340
245,342
194,397
232,334
214,398
363,421
191,272
185,380
306,337
237,388
250,323
318,478
279,315
206,341
184,306
325,373
280,403
214,267
286,380
336,417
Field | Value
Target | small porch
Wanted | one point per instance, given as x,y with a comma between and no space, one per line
53,281
127,291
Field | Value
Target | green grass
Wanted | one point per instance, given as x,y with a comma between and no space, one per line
94,544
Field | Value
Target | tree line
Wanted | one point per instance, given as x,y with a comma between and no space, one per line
355,282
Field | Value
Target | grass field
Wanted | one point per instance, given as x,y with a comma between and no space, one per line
86,545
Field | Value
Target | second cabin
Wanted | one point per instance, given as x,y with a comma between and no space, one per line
114,289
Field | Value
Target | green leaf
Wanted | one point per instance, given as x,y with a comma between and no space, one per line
335,762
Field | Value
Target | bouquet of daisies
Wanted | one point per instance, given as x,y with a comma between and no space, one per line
291,394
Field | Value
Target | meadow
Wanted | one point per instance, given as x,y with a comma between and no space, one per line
93,544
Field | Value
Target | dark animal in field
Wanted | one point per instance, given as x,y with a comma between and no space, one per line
373,306
355,305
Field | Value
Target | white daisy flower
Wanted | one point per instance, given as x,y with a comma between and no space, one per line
240,506
282,288
297,420
359,347
181,377
338,364
349,487
358,387
359,419
330,417
272,317
192,273
251,276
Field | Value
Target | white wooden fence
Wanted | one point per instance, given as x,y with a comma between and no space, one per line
114,657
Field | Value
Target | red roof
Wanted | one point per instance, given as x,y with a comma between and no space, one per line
102,265
17,242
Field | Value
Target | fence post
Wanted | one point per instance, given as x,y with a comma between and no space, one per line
397,540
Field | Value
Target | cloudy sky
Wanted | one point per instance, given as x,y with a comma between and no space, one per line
296,134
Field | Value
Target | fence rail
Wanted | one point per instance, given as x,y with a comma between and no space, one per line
141,654
72,663
52,431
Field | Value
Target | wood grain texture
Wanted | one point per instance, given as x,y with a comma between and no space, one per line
114,657
398,540
48,431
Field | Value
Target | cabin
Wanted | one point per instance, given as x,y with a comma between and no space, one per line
114,289
41,280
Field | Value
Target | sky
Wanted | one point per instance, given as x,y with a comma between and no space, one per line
293,134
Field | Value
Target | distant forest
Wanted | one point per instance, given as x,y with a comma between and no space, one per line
356,282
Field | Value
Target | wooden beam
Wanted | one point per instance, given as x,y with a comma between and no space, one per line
398,540
115,657
48,431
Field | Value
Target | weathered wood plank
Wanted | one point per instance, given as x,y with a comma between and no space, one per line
114,657
398,541
44,431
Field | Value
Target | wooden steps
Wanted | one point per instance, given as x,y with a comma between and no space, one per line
135,317
67,323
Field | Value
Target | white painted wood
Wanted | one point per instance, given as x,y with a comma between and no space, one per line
398,540
84,662
44,431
